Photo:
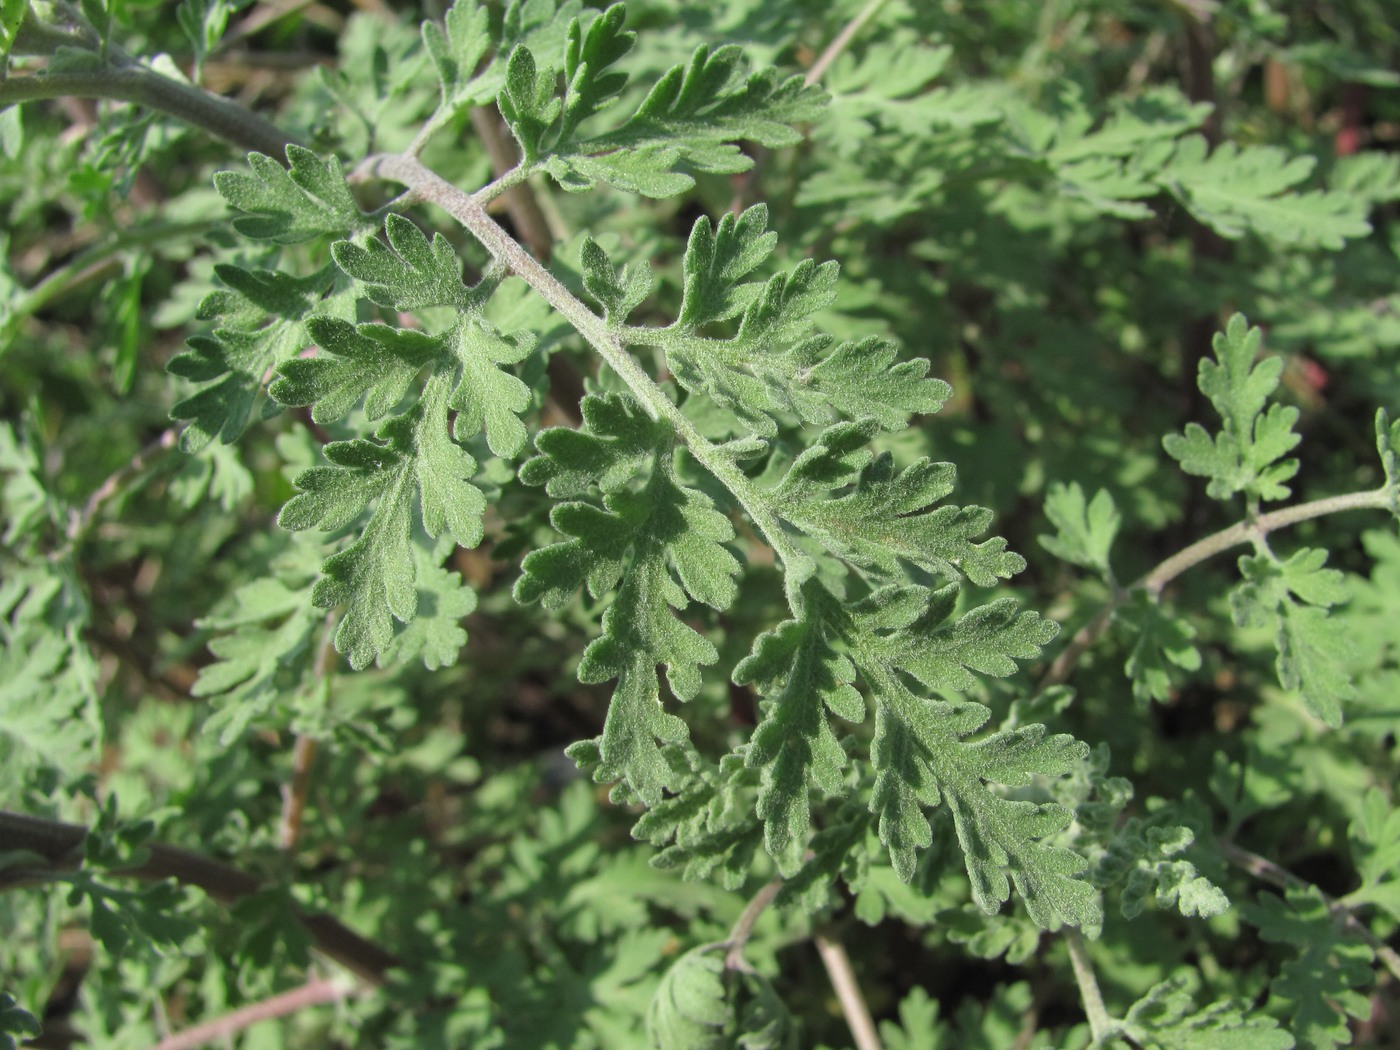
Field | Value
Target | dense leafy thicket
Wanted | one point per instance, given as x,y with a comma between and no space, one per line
757,524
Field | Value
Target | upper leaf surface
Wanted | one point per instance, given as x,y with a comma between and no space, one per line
288,205
467,35
1245,455
802,675
1313,649
1238,190
413,275
694,116
1167,1018
1084,530
374,577
233,360
653,540
862,511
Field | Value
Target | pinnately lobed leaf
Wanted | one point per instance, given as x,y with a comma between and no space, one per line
658,545
1245,455
374,577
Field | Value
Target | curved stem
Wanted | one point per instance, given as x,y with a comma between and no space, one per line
470,213
216,115
1202,550
1100,1023
743,927
1248,531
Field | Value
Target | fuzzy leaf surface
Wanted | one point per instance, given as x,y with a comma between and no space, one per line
409,273
920,758
767,368
415,459
1322,986
659,544
1245,456
1084,530
289,205
232,361
1251,189
1166,1018
1293,596
693,118
864,512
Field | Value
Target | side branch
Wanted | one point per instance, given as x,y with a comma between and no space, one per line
1202,550
317,992
216,115
59,849
1244,531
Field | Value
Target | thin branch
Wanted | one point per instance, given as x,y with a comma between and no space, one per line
1246,532
316,992
217,115
1202,550
1100,1023
841,41
294,792
1267,871
843,981
95,261
81,521
521,205
58,849
743,928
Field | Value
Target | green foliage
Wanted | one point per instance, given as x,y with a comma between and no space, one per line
1292,597
701,1005
12,14
1319,986
1084,530
658,544
766,369
1166,1017
693,117
354,504
1245,455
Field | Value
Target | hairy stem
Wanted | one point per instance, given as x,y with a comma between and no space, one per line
1248,531
1202,550
848,994
470,213
1099,1020
216,115
523,207
743,928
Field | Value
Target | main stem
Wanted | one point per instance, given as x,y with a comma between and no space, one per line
429,186
219,116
